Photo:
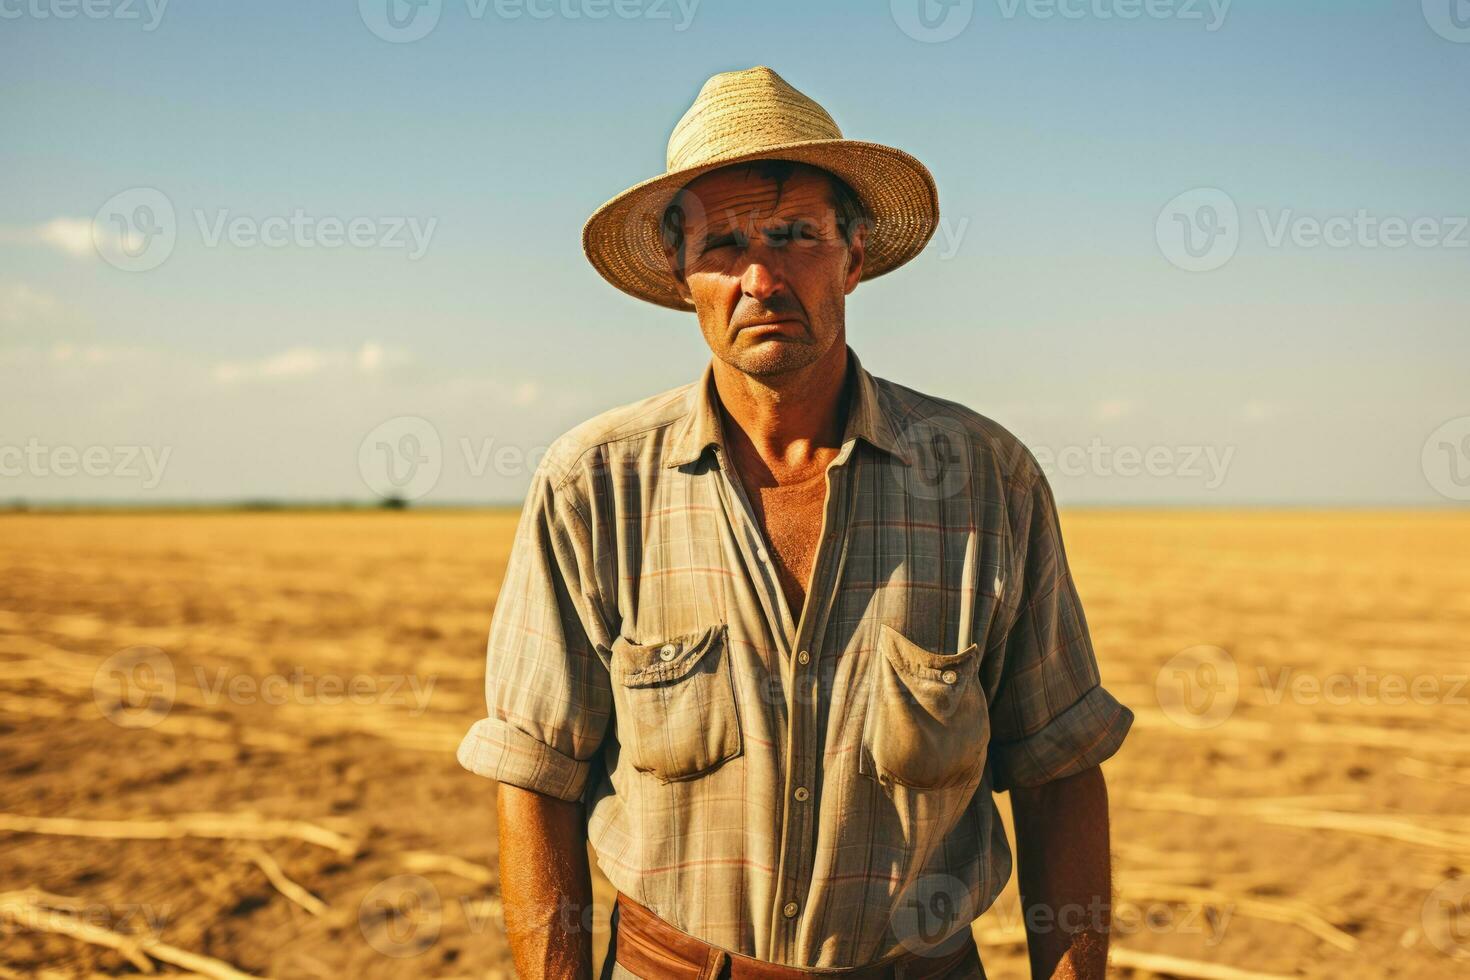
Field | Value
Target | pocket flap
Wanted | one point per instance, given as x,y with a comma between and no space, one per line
646,664
907,657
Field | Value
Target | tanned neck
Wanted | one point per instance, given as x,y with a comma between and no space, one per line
790,422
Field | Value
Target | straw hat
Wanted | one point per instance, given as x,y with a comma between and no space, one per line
755,115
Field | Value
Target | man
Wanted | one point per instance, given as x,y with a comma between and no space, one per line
772,640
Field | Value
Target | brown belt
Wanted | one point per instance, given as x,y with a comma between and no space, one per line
649,947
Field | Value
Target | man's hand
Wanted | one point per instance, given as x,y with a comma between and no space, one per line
1065,875
545,884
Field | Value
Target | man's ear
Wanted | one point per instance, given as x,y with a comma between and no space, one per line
857,254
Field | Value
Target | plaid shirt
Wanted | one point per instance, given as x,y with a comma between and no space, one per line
812,792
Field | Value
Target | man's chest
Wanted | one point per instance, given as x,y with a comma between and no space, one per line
694,549
789,518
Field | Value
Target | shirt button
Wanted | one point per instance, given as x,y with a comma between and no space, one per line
801,794
790,910
763,555
949,677
667,652
803,657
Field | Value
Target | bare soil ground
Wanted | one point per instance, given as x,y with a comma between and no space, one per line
1292,801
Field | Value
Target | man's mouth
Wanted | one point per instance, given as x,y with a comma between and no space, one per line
769,324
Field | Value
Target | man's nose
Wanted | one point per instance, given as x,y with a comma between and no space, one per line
761,278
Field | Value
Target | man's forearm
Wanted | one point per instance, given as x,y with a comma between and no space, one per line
545,884
1065,875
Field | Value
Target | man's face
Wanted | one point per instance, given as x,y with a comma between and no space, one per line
766,267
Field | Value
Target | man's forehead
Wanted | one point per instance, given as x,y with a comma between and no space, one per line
726,195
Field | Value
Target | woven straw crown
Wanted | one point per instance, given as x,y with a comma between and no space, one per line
750,115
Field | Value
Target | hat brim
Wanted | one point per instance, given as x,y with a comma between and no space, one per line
621,239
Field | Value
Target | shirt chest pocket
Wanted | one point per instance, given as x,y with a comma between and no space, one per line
675,702
927,723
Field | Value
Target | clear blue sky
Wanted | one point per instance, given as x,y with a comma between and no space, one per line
1314,373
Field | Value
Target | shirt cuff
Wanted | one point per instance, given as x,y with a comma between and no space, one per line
500,751
1079,738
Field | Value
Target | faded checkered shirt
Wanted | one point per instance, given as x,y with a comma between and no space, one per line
812,792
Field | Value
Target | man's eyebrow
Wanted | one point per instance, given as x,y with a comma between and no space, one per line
783,222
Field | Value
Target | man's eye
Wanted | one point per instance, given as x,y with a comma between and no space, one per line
729,240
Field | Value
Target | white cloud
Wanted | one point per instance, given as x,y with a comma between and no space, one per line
25,306
70,235
308,362
286,424
1259,411
1110,410
370,357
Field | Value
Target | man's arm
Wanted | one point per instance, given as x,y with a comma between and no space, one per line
545,884
1065,874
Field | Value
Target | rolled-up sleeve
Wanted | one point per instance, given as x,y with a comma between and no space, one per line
1050,716
546,689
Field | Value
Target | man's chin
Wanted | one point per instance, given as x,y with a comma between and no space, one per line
774,356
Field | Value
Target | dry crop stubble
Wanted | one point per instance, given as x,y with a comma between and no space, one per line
264,819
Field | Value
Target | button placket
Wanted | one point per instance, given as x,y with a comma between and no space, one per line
800,832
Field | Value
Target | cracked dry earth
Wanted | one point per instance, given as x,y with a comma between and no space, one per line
1294,799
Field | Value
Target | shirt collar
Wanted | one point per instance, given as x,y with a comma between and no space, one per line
866,419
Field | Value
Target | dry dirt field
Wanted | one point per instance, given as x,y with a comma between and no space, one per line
1294,799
